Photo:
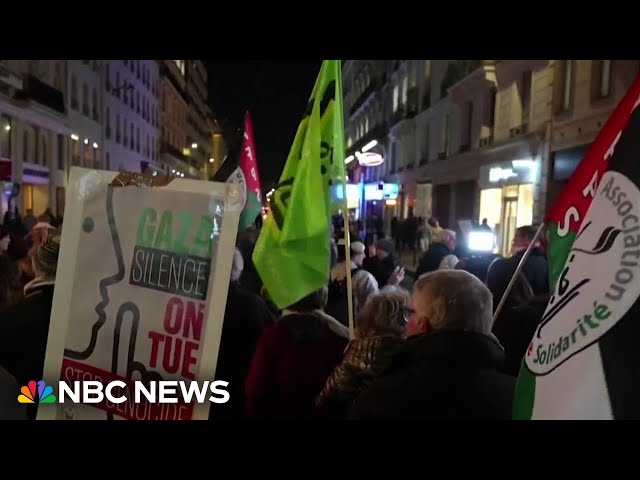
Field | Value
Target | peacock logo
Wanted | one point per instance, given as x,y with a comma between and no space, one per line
28,393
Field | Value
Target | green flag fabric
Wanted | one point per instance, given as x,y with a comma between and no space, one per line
292,254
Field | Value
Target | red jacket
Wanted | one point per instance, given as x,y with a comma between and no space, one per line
291,364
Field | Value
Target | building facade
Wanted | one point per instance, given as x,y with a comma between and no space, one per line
199,118
467,140
34,132
131,115
136,115
586,92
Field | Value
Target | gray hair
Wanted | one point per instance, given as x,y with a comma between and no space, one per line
364,285
383,314
237,266
445,235
455,300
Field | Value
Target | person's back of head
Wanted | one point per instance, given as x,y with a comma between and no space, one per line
45,259
448,238
383,314
450,300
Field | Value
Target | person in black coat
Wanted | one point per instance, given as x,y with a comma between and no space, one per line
535,272
515,328
382,262
443,246
24,328
10,409
451,365
245,316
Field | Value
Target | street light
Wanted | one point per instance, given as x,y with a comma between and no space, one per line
7,127
194,145
211,160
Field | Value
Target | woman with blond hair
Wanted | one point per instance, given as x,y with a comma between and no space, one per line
379,337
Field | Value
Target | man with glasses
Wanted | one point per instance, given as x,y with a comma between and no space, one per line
451,365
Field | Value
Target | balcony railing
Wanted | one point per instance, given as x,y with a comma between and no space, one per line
457,70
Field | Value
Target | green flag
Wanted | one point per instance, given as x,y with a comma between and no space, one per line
292,254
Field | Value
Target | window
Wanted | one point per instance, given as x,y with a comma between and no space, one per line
96,158
138,69
108,123
566,82
25,147
126,62
601,79
366,124
5,136
396,98
138,139
107,161
107,76
94,103
492,106
74,92
153,148
117,86
85,99
57,76
133,66
413,75
75,155
426,144
124,130
405,83
180,65
43,158
444,141
60,142
138,102
132,138
469,126
131,101
525,96
87,156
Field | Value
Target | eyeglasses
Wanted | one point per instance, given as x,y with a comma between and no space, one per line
407,312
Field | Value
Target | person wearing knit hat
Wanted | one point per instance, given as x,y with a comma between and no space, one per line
24,328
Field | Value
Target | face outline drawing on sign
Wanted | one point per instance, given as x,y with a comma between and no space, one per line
600,281
127,310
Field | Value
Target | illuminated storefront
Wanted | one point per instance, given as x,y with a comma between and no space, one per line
507,193
353,198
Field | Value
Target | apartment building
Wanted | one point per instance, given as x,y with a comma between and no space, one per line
34,129
585,94
131,118
174,107
199,118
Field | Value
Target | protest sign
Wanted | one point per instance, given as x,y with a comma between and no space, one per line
140,290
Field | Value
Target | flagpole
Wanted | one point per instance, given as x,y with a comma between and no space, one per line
517,272
347,247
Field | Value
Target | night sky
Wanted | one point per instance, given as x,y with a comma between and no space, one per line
276,93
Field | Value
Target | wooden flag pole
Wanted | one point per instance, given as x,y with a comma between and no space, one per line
347,248
512,282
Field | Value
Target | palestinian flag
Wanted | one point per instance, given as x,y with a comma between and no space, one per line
584,359
243,169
